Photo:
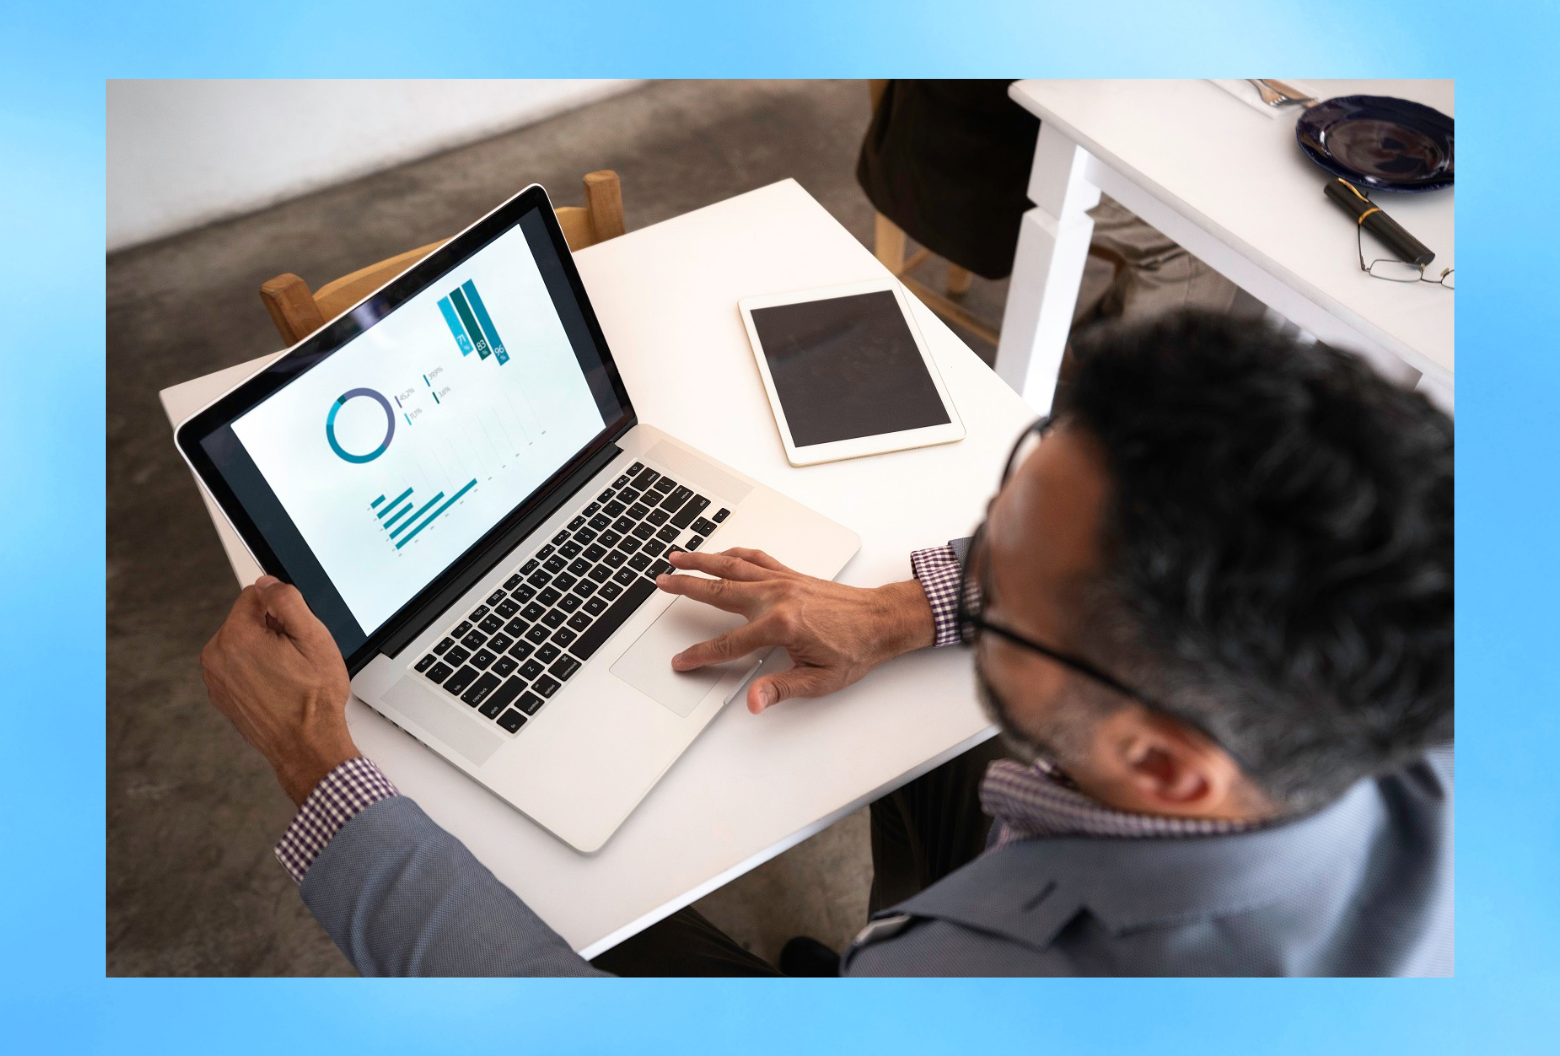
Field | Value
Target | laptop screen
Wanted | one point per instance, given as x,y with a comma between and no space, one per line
372,472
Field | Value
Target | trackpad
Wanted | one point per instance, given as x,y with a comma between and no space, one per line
647,666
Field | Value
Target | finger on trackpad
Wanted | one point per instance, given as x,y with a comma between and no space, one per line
647,666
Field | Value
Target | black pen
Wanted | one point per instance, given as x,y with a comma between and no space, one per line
1368,215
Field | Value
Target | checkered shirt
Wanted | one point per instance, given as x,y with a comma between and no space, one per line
339,797
1034,801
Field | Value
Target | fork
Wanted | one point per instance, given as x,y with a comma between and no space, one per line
1277,93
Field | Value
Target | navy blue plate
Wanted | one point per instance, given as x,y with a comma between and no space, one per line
1379,142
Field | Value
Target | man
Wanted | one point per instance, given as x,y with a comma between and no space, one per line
1211,610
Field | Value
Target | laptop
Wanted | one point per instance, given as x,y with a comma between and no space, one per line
453,475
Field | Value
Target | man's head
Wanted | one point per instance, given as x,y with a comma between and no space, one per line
1253,534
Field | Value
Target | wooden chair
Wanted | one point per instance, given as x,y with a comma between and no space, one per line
297,312
889,247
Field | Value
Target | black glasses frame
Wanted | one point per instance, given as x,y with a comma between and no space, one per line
1359,233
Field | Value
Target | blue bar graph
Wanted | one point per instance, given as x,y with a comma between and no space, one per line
392,503
376,502
454,323
402,512
433,516
408,522
484,320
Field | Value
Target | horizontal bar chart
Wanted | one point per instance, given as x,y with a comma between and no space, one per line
406,515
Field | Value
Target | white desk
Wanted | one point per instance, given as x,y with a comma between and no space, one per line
750,787
1230,185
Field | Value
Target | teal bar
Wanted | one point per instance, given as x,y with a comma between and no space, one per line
488,330
461,340
464,310
399,515
408,522
448,503
375,504
393,502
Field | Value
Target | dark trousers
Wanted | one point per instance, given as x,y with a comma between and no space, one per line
920,834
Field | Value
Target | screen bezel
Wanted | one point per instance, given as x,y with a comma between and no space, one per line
879,443
329,339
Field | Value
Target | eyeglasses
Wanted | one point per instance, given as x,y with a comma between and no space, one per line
1398,270
969,612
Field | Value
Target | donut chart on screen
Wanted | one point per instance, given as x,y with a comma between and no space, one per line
330,425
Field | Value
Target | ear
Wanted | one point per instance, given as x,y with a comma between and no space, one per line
1160,766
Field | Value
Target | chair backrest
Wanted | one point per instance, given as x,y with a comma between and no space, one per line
298,312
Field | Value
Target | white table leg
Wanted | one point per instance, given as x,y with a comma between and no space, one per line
1053,244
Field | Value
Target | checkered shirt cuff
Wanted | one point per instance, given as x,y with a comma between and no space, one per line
939,570
336,800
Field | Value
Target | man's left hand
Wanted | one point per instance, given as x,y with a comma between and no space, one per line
274,670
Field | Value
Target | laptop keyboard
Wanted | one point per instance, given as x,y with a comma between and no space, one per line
511,654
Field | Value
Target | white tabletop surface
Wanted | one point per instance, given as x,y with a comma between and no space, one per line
750,787
1240,175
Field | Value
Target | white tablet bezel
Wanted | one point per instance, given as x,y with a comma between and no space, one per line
812,454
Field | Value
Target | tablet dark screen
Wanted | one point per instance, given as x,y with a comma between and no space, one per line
847,367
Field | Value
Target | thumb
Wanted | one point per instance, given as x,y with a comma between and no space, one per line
797,682
290,614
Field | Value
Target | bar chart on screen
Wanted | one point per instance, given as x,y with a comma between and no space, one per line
405,516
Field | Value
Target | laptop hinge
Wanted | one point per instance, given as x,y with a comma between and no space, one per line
416,622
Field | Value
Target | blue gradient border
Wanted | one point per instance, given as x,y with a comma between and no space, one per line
55,998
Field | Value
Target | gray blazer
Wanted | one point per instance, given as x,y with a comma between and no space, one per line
1362,887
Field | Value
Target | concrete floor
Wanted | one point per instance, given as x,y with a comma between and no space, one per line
192,813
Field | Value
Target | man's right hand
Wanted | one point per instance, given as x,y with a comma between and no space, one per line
835,634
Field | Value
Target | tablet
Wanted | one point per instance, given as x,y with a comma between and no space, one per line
848,373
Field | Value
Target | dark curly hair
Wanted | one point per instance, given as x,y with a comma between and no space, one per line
1280,544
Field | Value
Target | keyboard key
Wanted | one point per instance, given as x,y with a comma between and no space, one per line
565,581
530,669
495,597
645,479
702,526
669,534
657,516
643,530
500,643
553,618
630,544
477,613
457,656
695,506
585,535
546,685
660,568
548,596
439,672
614,560
675,500
483,659
533,611
507,608
521,649
460,629
480,689
555,563
547,653
618,483
577,523
594,552
545,552
585,588
600,572
513,581
565,667
443,646
458,682
511,720
639,562
591,510
538,634
528,703
502,697
624,576
425,663
504,666
490,624
622,524
579,566
664,485
638,511
610,590
613,508
579,621
563,636
587,644
604,496
595,606
530,566
561,537
570,550
515,627
570,602
693,543
539,578
600,522
610,538
636,467
628,495
474,640
523,593
654,548
721,515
